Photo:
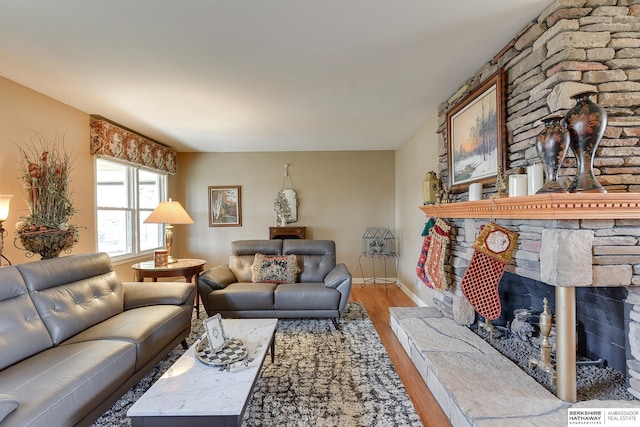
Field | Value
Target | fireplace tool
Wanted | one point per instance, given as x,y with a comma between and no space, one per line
544,363
487,325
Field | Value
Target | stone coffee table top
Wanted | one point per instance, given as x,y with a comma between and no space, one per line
191,388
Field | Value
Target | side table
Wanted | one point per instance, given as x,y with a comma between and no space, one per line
287,232
384,257
190,269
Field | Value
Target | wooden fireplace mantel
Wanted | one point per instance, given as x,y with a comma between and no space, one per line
544,206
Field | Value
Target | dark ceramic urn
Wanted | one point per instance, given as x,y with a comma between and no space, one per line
586,123
552,144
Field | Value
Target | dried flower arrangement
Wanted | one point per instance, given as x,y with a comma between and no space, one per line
46,170
281,206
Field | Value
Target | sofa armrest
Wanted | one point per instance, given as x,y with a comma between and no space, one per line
140,294
215,278
8,404
337,276
218,277
340,279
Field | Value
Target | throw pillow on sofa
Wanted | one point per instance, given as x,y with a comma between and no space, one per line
274,269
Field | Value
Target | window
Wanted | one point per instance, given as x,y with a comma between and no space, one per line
126,195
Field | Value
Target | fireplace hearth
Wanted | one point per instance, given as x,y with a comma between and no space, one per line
593,382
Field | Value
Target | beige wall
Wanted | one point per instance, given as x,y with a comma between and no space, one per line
339,194
24,114
414,159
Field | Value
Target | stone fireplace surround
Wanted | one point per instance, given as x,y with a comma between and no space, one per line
573,46
572,242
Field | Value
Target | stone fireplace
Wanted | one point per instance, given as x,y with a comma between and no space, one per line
596,259
573,46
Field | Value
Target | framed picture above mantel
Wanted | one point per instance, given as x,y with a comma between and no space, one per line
476,135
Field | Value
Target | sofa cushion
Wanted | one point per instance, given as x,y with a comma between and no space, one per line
274,269
243,255
8,404
52,385
22,332
150,328
74,293
316,258
306,296
243,296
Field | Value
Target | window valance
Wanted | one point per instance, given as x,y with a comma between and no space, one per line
111,140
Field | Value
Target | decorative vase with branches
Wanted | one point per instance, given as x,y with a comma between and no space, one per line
281,206
46,170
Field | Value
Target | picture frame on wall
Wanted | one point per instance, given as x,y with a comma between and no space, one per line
225,206
476,135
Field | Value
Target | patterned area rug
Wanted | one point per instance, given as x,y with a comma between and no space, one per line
321,377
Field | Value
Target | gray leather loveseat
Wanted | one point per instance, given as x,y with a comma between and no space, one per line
74,338
320,288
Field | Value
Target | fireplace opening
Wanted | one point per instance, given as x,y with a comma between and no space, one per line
601,335
600,315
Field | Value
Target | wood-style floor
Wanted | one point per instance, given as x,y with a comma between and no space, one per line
377,302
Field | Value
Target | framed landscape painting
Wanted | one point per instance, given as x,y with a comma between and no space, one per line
476,135
225,206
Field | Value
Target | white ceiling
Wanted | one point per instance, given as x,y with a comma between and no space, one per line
234,75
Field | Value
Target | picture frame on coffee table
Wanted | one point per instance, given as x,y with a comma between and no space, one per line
476,135
215,332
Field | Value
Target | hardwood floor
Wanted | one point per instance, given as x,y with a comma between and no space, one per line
377,302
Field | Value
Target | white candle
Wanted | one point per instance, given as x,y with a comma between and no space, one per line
535,179
517,185
475,191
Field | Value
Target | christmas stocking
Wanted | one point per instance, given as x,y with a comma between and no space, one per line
420,270
493,250
437,254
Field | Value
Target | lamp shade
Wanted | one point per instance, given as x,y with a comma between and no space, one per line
5,200
169,212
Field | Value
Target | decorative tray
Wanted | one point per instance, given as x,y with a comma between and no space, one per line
233,351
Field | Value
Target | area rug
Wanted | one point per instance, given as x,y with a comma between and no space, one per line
321,377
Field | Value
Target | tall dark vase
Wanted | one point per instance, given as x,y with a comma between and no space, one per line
552,144
586,123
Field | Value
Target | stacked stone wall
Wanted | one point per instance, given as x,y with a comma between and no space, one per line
573,46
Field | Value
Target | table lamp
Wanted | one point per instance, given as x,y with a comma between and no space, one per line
5,200
169,213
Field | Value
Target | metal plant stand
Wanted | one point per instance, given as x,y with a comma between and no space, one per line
379,243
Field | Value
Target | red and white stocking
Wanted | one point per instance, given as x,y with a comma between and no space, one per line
493,249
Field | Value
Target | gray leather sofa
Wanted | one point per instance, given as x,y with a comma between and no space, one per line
321,289
74,338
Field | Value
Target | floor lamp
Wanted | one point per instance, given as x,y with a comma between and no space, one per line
169,213
5,201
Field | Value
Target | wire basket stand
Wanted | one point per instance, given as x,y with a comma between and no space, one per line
379,243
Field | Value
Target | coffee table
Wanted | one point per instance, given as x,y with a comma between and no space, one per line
195,394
